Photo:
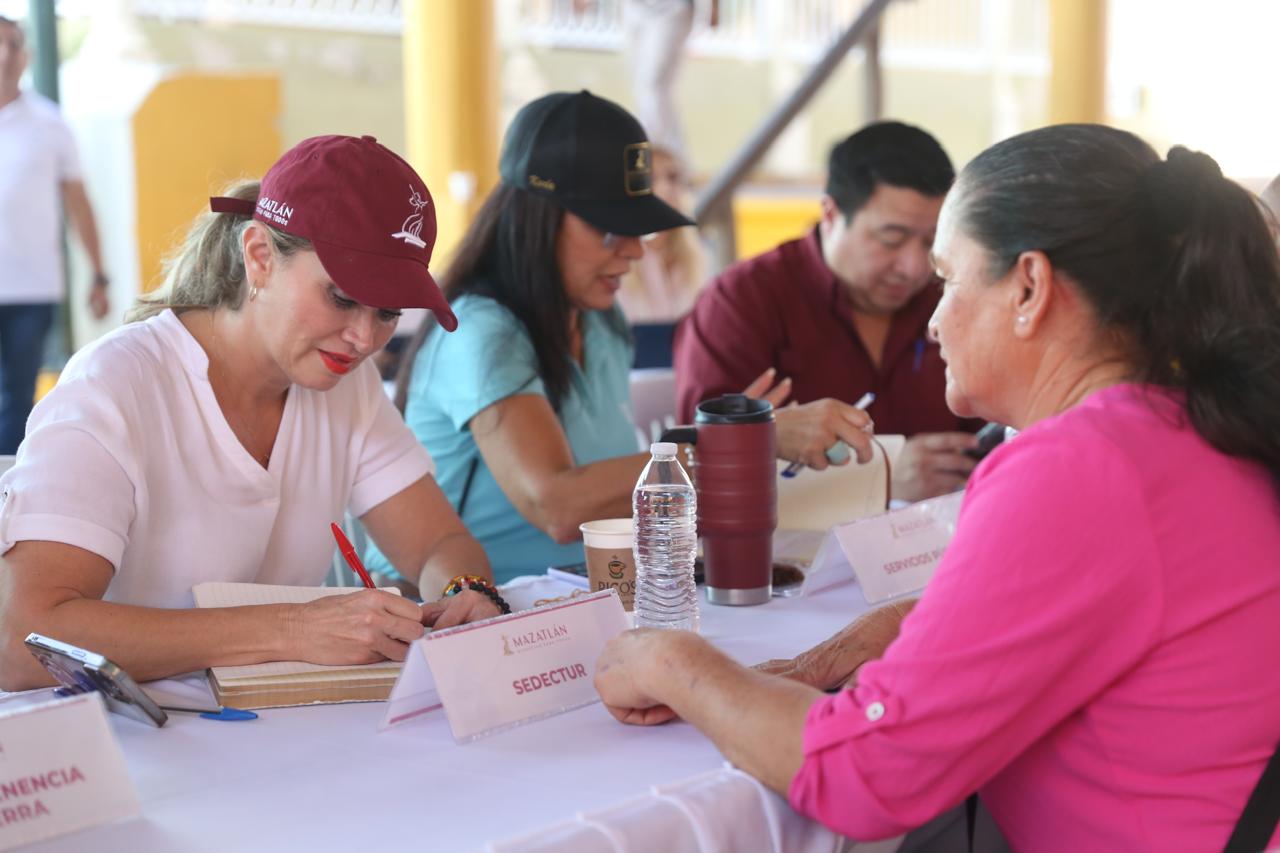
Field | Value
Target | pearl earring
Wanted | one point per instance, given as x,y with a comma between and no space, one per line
1021,319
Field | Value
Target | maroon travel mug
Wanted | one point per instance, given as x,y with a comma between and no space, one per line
737,495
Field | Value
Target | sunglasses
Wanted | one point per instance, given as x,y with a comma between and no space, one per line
610,240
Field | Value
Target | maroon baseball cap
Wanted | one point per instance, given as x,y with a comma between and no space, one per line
366,212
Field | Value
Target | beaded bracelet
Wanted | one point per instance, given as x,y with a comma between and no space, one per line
480,585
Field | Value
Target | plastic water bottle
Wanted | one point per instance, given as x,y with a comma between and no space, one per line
665,510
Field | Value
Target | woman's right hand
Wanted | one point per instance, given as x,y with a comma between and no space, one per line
363,627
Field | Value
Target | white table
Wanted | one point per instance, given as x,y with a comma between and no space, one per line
323,778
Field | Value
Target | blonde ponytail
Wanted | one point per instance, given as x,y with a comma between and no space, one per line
207,269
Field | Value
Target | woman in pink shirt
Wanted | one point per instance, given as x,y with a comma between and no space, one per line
1095,655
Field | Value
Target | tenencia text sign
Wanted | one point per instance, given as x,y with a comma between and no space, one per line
61,770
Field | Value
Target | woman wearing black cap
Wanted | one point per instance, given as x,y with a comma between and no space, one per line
526,407
217,436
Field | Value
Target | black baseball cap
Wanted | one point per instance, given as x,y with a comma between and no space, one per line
591,157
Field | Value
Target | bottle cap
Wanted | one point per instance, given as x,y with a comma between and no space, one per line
663,448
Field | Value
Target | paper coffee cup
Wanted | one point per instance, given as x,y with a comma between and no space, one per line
610,564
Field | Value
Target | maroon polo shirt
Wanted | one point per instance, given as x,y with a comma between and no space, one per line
785,309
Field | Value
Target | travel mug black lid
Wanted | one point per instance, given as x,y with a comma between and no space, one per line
734,409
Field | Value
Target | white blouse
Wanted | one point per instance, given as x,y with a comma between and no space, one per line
131,458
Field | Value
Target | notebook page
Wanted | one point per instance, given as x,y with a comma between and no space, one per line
819,500
241,594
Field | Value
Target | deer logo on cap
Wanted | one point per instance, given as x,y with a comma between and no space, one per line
411,230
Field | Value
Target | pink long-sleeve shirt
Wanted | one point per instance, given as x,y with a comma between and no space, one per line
1096,654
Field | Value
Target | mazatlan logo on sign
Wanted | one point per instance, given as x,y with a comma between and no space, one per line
517,643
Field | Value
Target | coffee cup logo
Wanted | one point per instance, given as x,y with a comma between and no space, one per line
611,568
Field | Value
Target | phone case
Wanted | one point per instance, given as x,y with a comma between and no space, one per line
81,671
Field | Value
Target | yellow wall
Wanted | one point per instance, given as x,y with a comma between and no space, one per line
192,135
763,221
1078,49
450,109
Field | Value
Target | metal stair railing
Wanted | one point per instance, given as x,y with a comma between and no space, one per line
714,208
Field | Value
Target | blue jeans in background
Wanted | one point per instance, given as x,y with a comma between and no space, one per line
22,332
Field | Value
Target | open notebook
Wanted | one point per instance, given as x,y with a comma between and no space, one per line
285,683
819,500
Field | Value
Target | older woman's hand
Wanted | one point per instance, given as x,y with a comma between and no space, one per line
466,606
833,663
624,673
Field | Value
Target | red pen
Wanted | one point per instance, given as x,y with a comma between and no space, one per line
349,553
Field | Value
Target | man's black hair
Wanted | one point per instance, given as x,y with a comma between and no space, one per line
887,152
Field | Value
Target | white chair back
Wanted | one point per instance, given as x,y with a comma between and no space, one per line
653,403
7,462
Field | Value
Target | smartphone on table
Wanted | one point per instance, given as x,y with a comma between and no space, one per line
81,671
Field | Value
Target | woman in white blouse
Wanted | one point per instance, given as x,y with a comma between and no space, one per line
216,436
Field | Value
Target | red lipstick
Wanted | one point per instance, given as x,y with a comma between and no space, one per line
339,364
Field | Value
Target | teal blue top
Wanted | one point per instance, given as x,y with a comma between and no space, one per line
489,358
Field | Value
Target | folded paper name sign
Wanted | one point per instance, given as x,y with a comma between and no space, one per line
508,670
287,683
890,554
61,770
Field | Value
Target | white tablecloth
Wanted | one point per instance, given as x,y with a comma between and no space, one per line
323,778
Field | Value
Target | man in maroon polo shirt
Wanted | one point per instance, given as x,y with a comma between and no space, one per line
845,311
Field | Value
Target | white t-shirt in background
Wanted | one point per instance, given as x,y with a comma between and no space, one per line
130,457
37,156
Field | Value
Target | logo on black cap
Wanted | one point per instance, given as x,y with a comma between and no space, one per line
638,163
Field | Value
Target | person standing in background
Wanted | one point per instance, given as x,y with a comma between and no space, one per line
656,33
41,167
662,285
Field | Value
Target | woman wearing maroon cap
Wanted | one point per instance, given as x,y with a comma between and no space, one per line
216,436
